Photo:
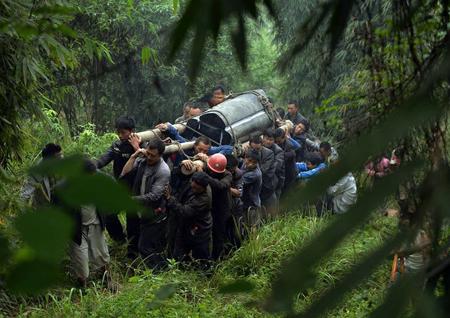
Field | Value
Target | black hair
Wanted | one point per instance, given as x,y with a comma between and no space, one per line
279,132
270,132
202,139
218,88
156,144
50,150
281,112
253,155
201,178
232,162
89,166
125,122
256,139
314,158
187,104
325,146
205,98
305,123
293,102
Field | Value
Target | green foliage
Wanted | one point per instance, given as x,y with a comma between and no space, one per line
255,263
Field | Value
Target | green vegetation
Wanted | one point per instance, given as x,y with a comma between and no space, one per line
192,294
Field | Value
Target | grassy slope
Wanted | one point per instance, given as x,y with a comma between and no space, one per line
258,261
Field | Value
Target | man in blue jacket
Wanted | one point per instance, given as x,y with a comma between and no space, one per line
312,166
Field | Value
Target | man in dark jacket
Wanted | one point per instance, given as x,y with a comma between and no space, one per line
219,179
289,146
150,175
119,153
267,166
269,143
194,211
251,189
293,113
235,222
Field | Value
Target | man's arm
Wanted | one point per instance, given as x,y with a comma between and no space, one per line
222,184
106,158
174,134
224,150
130,163
310,173
268,166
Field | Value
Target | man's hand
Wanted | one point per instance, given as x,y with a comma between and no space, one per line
139,153
188,164
135,141
235,193
203,157
167,192
162,127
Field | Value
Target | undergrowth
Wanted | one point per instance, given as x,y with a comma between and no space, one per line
188,293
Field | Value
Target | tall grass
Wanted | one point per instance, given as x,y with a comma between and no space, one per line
195,294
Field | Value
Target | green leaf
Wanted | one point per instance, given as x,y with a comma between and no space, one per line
163,293
55,10
238,286
70,166
175,6
99,190
145,55
47,231
32,277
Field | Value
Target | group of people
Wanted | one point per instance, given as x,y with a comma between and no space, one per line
197,204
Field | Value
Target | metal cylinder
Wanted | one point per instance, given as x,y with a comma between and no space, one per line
235,118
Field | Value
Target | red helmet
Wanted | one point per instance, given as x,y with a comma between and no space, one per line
217,163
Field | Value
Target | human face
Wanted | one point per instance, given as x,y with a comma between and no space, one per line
152,156
202,148
268,141
299,129
310,165
250,164
256,147
196,188
124,134
292,109
195,112
218,97
325,154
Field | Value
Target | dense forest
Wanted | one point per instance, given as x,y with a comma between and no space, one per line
371,77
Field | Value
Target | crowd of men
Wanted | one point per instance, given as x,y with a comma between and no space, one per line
198,204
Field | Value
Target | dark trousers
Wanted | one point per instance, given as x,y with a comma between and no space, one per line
114,228
199,246
219,233
324,205
269,201
115,231
152,243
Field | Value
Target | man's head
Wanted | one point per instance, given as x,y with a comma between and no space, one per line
256,143
218,95
195,111
251,159
280,136
202,145
217,164
325,149
293,108
281,112
199,182
153,151
313,159
187,108
301,128
232,163
124,127
269,137
89,166
51,151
